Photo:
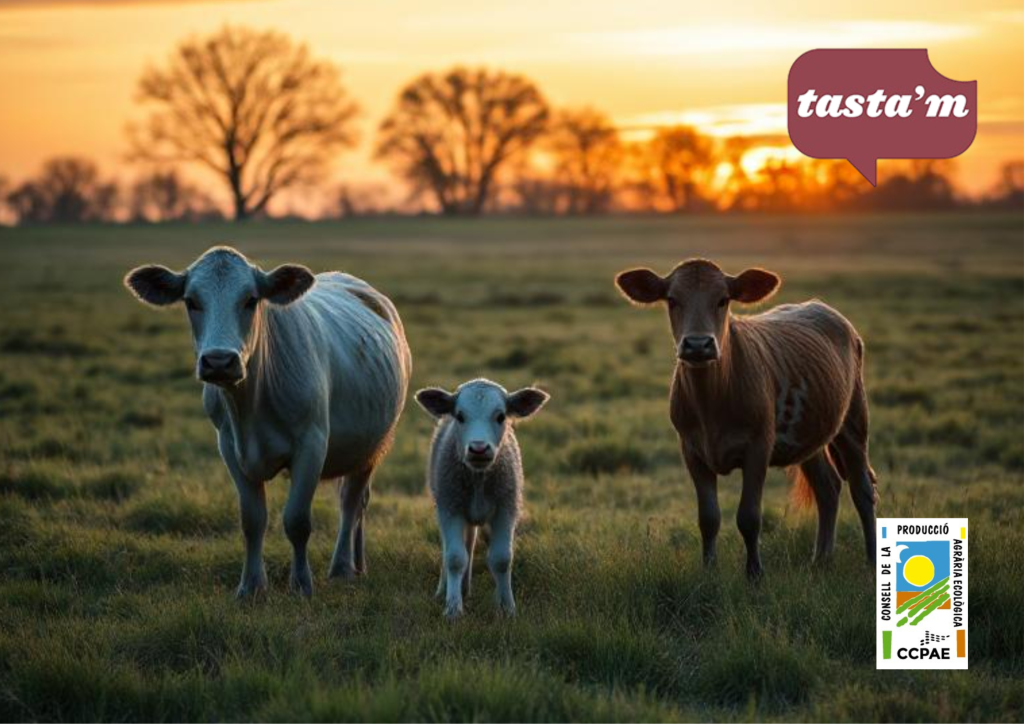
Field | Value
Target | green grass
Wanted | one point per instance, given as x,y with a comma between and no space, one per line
120,548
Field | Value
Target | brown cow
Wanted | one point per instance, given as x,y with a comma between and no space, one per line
779,389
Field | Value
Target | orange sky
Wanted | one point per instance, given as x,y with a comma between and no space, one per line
68,67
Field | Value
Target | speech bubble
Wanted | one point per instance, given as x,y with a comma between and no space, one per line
863,105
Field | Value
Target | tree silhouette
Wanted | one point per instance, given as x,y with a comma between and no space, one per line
588,156
165,196
450,134
69,190
250,106
682,159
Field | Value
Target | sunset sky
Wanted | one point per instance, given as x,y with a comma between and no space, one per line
68,68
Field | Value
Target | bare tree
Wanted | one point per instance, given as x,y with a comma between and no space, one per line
588,157
165,196
250,106
69,190
450,134
683,160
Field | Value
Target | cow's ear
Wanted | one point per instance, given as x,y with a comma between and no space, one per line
753,285
436,401
641,286
156,285
285,284
526,402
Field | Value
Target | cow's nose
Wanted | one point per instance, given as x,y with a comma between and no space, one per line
479,448
220,365
698,348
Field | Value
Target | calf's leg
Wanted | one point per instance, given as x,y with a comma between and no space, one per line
467,580
456,559
252,505
298,522
708,514
826,485
748,515
353,489
499,559
852,446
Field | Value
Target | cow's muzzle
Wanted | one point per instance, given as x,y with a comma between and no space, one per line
698,350
479,455
221,367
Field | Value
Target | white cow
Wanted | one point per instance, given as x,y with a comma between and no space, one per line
302,373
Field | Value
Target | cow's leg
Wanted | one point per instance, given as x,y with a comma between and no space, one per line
353,489
826,485
456,559
852,446
252,505
306,468
360,535
708,514
441,588
499,559
467,580
748,515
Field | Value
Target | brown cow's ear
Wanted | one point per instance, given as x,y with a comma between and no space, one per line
156,285
285,284
641,286
753,285
436,401
526,402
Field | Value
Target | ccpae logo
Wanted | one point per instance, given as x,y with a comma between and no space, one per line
922,593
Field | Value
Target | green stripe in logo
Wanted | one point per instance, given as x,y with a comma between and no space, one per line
887,644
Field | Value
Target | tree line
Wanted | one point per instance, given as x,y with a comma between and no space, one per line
260,115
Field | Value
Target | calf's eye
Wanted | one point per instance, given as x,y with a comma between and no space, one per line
723,302
251,303
460,418
500,419
672,303
192,305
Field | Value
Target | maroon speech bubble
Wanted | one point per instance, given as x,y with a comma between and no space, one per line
863,105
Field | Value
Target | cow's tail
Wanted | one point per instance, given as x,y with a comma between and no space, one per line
800,493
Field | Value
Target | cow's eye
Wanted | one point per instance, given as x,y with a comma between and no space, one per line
723,302
192,305
251,303
460,418
672,303
500,419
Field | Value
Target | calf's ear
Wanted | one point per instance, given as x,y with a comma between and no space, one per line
436,401
526,402
285,284
641,286
156,285
753,285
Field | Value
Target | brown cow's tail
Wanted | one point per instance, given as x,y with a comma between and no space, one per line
800,494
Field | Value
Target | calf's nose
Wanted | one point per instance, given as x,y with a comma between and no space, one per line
698,348
220,365
478,448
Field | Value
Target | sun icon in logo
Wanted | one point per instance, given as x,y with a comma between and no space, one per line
919,570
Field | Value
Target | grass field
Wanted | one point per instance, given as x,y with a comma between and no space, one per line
120,548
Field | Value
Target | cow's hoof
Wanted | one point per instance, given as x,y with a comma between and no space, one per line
453,611
301,583
342,573
755,572
507,609
248,590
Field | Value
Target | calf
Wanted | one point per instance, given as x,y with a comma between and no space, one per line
476,478
779,389
302,373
